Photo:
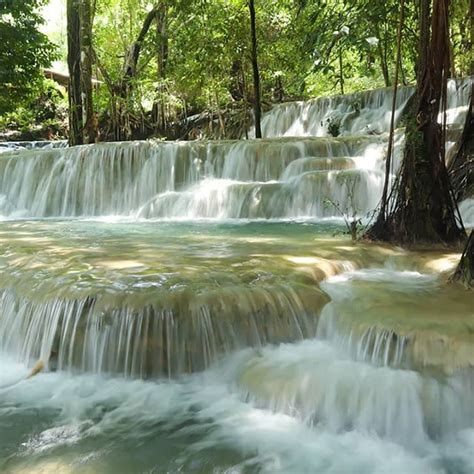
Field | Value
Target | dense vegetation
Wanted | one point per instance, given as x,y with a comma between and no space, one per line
26,97
194,57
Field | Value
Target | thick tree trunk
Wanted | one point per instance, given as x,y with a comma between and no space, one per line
424,39
425,210
256,74
74,66
89,128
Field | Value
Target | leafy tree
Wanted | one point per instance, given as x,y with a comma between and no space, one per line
24,51
162,61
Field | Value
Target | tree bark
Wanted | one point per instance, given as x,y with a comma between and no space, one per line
159,107
383,65
341,70
461,168
133,54
89,127
465,270
424,39
388,160
74,66
472,38
425,210
256,74
124,86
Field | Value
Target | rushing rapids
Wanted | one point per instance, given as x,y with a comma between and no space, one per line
198,308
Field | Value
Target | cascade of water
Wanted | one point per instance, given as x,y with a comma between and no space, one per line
353,114
377,346
280,178
36,145
313,381
175,334
142,301
411,339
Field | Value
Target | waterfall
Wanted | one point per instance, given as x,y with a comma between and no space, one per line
298,172
170,334
199,300
361,113
278,178
354,114
322,387
302,172
35,145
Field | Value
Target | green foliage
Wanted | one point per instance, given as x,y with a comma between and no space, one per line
46,108
24,51
305,49
460,37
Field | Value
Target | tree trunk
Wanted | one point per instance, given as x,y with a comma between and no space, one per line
424,39
383,65
382,57
162,40
124,87
74,66
472,36
388,159
133,54
465,270
89,128
461,168
341,70
425,210
256,74
159,107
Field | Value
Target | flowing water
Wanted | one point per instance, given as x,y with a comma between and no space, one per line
199,308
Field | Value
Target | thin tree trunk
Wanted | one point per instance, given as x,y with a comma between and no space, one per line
245,101
341,71
461,167
219,114
382,57
74,66
383,65
465,270
161,41
472,37
124,86
256,74
89,129
388,160
133,54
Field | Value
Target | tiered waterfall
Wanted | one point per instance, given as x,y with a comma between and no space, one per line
200,300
